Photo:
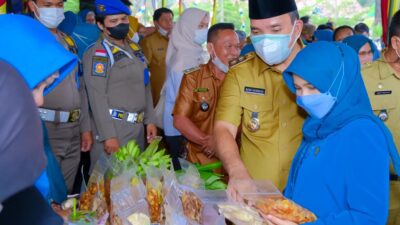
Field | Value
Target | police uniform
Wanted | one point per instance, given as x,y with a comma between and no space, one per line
383,87
254,96
197,100
155,49
118,87
66,116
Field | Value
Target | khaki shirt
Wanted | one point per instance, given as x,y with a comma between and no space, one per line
252,87
119,86
383,87
67,96
199,86
155,49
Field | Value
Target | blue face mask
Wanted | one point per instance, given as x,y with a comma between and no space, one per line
273,49
200,36
319,105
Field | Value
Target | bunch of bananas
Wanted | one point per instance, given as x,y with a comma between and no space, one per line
152,156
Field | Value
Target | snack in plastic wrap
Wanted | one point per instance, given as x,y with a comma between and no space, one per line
268,200
240,214
192,206
154,195
139,219
284,209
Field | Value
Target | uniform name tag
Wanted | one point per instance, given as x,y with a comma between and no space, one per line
383,92
200,90
254,91
99,66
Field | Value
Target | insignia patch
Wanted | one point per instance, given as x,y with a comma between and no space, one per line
383,92
101,7
254,91
200,90
241,59
100,52
119,55
99,66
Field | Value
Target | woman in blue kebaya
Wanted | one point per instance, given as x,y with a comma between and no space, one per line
341,170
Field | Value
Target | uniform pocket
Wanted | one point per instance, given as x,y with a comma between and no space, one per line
261,107
202,100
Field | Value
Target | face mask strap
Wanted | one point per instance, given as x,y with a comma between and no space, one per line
337,75
291,33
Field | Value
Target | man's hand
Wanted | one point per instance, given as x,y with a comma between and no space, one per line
272,220
240,182
86,141
111,145
151,132
208,146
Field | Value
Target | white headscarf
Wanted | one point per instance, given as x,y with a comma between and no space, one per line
182,52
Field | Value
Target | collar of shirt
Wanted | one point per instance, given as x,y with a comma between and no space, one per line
385,70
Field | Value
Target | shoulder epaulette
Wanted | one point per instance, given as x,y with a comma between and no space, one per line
70,42
241,59
191,70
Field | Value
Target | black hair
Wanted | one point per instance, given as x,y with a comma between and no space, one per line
342,28
361,28
214,29
394,27
324,27
158,13
100,18
126,2
294,15
305,19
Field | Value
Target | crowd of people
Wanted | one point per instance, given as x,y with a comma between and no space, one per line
315,110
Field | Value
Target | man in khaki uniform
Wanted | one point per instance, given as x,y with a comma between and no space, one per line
117,82
255,97
195,105
155,49
65,111
382,80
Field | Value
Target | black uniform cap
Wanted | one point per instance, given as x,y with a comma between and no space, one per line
263,9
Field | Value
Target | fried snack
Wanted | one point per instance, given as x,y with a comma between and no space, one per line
86,200
284,209
154,199
192,206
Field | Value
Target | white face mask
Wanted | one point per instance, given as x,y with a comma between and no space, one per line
135,38
162,32
200,36
50,17
219,64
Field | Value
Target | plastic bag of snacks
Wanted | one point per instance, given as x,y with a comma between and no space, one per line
267,199
128,206
94,198
154,194
240,214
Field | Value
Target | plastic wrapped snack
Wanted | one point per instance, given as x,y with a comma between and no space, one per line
154,194
266,198
240,214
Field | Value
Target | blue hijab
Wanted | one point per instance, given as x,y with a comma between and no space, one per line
323,35
33,51
336,66
68,24
358,40
82,15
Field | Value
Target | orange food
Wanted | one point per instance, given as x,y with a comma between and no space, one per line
284,209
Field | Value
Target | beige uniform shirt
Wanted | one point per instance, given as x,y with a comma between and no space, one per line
155,49
252,89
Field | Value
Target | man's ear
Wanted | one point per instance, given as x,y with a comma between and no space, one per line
32,7
393,43
100,26
210,49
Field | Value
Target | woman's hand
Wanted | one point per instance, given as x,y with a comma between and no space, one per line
151,132
272,220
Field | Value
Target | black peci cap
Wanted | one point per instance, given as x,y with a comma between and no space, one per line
263,9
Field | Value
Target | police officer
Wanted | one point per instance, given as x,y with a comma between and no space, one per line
155,49
65,111
196,102
117,81
382,80
254,97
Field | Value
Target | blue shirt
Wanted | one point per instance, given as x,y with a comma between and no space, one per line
344,178
172,85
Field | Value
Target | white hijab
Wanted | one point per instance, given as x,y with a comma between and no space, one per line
182,52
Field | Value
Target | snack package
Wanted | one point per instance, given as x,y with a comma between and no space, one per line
240,214
172,202
154,194
190,176
128,206
94,198
267,199
199,206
